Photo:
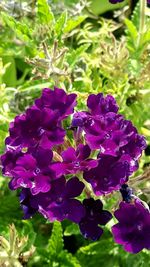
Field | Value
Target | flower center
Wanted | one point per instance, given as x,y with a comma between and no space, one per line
76,164
37,171
59,200
40,131
107,136
140,227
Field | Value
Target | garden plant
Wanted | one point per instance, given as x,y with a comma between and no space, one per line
75,133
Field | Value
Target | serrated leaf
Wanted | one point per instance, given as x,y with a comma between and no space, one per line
55,244
60,24
135,18
21,29
131,29
68,260
72,24
44,12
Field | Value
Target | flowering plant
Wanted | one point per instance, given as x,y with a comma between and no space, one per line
63,161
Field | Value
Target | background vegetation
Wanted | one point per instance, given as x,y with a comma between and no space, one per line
83,47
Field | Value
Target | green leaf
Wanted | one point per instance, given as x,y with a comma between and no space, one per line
75,55
60,24
44,13
68,260
72,229
9,78
135,18
55,244
20,28
72,24
131,30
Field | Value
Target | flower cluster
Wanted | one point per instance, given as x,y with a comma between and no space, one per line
119,1
133,227
53,165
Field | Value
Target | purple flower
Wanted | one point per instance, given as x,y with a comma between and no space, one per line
110,133
133,228
28,129
33,171
79,119
115,1
99,105
110,173
119,1
135,146
60,202
57,100
75,161
94,216
8,160
28,203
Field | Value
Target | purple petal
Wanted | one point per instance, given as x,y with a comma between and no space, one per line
73,210
41,183
69,155
90,230
83,151
27,161
100,105
73,188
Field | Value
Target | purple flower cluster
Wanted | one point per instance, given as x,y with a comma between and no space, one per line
133,227
117,141
119,1
115,1
52,169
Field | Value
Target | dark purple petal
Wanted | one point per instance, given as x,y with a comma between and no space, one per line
58,188
43,157
28,209
73,188
90,230
91,204
83,151
132,229
58,100
8,161
94,216
98,104
115,1
73,210
104,217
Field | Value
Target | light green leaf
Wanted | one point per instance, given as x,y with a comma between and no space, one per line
131,29
44,12
60,24
72,24
72,229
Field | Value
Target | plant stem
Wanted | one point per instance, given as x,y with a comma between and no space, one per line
143,4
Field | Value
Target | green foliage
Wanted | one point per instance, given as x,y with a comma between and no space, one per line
56,253
44,13
105,253
65,43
